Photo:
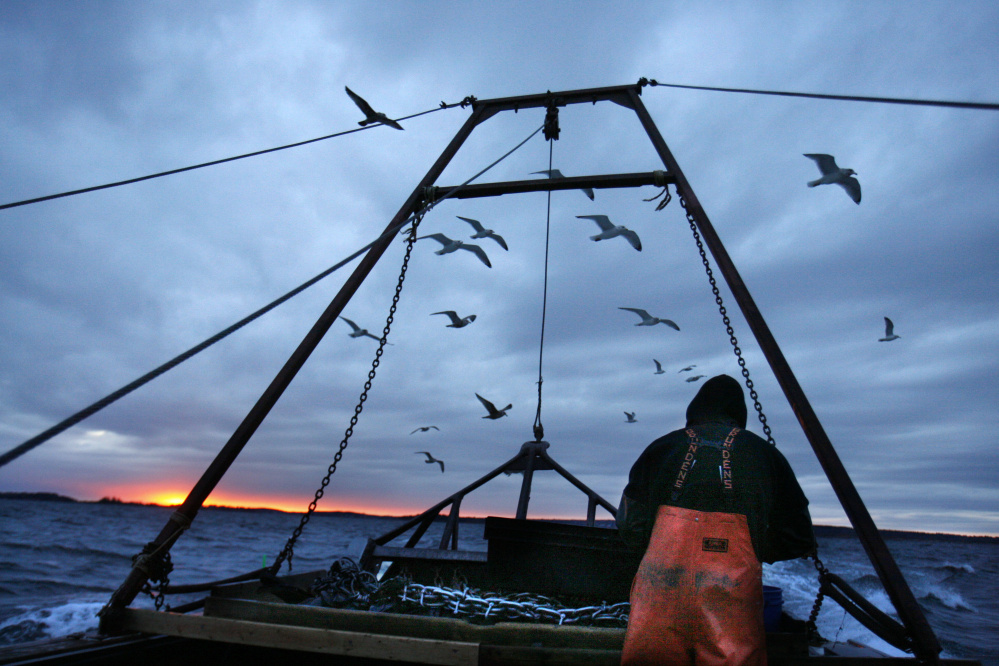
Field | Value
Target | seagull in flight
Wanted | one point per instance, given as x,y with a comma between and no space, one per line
889,332
491,408
555,173
370,115
425,429
482,232
694,378
649,320
659,367
358,331
833,174
631,417
449,246
431,459
609,230
456,321
687,369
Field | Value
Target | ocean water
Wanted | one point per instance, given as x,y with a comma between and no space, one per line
59,563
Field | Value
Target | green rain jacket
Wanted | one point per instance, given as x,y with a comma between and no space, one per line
764,486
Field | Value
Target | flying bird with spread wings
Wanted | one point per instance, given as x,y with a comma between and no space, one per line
833,174
449,246
456,321
430,459
425,429
610,230
659,367
491,408
370,115
555,173
358,332
482,232
649,320
889,331
631,417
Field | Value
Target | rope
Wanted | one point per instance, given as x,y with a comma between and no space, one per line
84,190
86,412
539,429
980,106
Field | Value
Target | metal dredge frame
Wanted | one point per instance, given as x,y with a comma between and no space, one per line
925,645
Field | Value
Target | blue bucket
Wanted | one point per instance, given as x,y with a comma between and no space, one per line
773,603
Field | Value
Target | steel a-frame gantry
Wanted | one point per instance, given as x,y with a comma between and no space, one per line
924,643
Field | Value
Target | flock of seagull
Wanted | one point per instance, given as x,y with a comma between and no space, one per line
831,174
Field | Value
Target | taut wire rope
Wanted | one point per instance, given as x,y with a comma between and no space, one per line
69,422
539,429
171,172
979,106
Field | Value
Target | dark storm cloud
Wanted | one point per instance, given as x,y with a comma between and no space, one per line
98,289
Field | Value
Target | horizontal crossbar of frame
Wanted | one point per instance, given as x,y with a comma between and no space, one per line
618,94
609,181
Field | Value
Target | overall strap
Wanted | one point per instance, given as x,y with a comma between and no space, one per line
724,470
688,463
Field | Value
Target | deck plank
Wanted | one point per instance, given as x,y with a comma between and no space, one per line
310,639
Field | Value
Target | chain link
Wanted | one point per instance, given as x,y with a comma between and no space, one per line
474,604
727,322
348,586
288,552
813,629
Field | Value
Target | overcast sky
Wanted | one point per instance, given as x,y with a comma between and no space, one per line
98,289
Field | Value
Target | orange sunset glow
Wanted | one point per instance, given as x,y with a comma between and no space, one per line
175,496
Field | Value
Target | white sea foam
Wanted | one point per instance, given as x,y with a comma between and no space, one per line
64,620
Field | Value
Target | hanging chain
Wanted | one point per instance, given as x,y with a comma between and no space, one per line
289,548
158,569
727,322
813,630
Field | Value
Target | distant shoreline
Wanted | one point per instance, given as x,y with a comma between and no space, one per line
827,531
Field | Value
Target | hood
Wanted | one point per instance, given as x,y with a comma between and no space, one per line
720,400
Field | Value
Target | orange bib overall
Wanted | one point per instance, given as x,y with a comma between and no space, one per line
698,595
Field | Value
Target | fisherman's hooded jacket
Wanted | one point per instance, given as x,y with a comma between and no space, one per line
764,488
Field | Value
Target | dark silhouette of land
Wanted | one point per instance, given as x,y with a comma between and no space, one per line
823,531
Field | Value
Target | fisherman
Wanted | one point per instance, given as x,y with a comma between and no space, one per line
708,504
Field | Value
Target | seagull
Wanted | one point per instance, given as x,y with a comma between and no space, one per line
491,408
425,429
456,321
631,417
659,367
649,320
687,369
482,232
431,459
555,173
889,332
358,331
694,378
833,174
370,115
452,245
610,230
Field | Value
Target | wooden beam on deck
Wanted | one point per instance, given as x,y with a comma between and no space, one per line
308,639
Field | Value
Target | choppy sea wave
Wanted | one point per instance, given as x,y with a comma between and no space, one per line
59,563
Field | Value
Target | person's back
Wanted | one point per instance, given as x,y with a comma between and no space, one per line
708,503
